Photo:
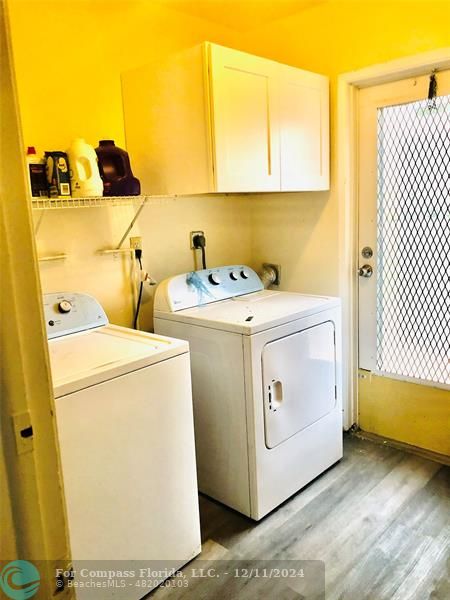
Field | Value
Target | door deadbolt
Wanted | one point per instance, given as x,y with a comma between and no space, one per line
367,252
365,271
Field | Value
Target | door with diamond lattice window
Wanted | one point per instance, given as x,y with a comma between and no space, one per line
404,261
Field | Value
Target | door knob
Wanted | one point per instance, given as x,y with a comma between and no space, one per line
365,271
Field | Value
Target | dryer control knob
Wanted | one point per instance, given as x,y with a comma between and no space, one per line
214,279
64,306
234,275
245,274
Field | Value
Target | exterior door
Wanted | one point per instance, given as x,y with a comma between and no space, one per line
244,121
404,258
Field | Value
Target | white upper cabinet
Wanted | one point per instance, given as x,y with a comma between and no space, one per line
212,119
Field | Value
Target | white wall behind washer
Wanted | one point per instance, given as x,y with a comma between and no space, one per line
299,232
249,229
164,225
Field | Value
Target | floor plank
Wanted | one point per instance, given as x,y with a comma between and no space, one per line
379,519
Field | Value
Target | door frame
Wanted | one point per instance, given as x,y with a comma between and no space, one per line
32,496
347,190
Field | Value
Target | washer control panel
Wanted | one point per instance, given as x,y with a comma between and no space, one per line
202,287
70,312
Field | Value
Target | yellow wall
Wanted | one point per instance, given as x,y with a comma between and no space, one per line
83,46
300,231
343,35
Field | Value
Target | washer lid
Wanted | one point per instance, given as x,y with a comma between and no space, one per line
253,313
84,359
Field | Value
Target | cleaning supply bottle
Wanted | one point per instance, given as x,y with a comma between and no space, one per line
36,174
58,174
85,178
115,170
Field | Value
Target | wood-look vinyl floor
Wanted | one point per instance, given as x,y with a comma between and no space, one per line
379,519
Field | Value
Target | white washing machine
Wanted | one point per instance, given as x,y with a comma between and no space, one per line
266,371
125,426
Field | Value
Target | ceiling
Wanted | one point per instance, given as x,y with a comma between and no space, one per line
241,15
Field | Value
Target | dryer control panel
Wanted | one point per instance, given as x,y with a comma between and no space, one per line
202,287
71,312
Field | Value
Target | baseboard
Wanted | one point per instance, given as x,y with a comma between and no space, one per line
443,459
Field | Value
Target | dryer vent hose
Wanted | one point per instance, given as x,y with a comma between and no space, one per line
268,276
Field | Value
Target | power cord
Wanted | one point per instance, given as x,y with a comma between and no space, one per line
199,243
138,256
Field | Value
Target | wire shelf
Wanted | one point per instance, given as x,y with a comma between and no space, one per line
90,202
139,202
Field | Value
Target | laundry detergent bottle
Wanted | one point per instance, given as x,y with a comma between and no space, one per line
115,170
84,174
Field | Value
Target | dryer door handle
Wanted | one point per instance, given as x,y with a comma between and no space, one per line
275,390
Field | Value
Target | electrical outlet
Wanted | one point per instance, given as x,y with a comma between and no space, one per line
136,243
192,236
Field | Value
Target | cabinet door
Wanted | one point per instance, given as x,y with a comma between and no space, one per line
244,121
304,130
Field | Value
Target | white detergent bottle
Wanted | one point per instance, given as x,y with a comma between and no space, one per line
85,177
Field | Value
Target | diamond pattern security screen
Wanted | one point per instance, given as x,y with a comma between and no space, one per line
413,259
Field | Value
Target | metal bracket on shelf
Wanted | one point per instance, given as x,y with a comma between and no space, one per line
51,257
115,251
118,249
133,221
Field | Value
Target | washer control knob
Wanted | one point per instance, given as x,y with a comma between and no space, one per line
245,274
234,275
64,306
214,279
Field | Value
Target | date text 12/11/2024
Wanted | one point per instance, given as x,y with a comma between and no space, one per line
219,578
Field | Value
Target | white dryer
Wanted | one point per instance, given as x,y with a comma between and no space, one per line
125,427
266,371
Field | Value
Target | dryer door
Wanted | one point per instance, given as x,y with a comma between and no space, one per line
299,378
